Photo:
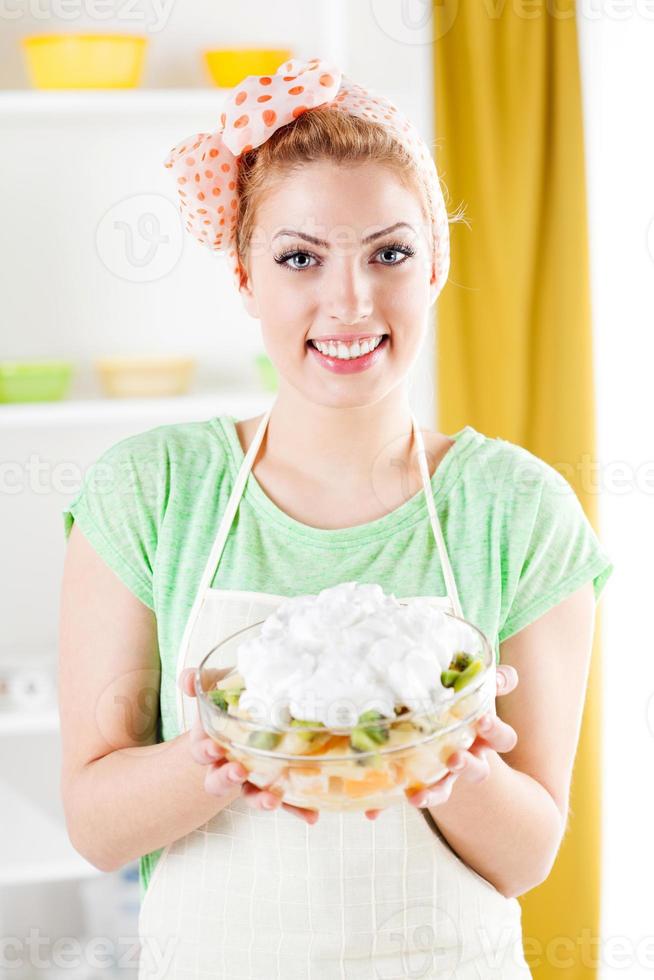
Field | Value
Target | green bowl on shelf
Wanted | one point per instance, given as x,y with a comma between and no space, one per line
34,381
267,372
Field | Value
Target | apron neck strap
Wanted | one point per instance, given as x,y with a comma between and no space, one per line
448,574
241,480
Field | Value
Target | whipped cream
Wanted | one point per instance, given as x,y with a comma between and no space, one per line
351,648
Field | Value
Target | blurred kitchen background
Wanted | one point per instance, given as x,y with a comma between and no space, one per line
95,265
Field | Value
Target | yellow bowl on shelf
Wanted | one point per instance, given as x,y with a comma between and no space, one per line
229,66
145,377
84,60
34,381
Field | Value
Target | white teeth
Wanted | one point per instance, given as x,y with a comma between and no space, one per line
345,352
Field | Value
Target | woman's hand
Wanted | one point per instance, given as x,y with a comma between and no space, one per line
471,764
223,776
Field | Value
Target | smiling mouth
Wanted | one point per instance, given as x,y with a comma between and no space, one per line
348,352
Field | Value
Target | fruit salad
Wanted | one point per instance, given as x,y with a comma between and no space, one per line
354,716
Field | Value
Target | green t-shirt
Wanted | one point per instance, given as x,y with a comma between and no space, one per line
518,539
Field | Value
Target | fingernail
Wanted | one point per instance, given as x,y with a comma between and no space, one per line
268,804
458,765
235,775
484,724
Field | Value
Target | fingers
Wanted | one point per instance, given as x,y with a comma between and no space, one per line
222,778
260,799
309,816
186,679
506,678
434,795
263,799
205,751
471,766
496,733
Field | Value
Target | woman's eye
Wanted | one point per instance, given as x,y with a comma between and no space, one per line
393,251
287,260
305,257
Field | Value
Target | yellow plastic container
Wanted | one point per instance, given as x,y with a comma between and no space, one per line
84,60
142,377
228,66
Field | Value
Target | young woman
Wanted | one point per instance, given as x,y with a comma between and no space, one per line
331,214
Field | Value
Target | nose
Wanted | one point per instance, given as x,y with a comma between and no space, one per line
349,294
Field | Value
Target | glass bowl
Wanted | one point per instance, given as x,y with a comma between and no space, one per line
316,767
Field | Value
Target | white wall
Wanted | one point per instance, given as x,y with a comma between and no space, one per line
618,75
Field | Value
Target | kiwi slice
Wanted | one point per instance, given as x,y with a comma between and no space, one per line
369,733
219,699
264,739
232,695
463,667
302,723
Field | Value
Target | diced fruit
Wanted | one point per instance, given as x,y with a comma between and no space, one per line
466,675
369,732
218,698
422,764
234,682
335,785
264,740
308,780
448,677
301,743
461,671
362,740
303,723
374,782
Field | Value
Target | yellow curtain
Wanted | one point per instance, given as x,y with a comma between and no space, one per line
514,348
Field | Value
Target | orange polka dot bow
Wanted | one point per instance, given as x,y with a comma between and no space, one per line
205,164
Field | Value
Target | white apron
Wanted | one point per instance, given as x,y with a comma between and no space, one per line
258,895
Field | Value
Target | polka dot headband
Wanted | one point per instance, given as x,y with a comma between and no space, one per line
205,165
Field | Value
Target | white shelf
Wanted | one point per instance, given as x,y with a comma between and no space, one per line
29,721
33,847
138,100
239,402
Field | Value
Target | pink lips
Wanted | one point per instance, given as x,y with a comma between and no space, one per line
354,364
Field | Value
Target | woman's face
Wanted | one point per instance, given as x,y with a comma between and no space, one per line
313,276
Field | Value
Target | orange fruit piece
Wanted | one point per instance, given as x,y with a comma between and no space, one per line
375,780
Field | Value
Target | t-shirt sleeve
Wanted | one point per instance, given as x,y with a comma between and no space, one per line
118,510
550,550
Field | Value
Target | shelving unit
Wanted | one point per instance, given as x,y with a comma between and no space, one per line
33,848
91,411
33,721
27,102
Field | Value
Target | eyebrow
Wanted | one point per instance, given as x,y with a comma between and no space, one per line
320,241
